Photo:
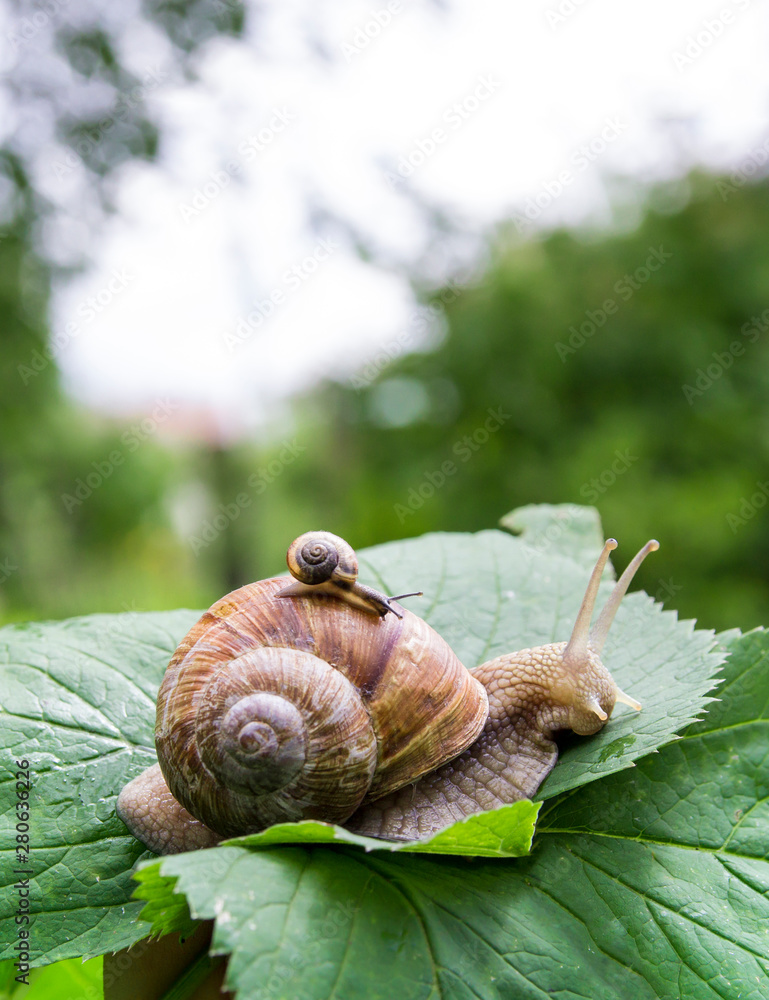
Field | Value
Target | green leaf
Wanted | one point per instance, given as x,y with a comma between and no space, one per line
683,842
62,981
166,910
564,528
306,922
500,833
710,788
79,704
647,884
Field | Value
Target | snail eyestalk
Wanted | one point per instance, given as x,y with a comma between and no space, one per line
576,648
601,628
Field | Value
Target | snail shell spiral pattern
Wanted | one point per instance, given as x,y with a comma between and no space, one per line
318,556
277,709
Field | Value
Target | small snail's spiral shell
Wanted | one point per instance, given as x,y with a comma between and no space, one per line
275,710
318,556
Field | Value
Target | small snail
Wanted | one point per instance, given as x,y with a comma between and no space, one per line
325,563
327,707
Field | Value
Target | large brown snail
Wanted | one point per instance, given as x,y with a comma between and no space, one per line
324,700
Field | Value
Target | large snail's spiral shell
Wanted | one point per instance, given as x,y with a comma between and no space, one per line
280,731
286,708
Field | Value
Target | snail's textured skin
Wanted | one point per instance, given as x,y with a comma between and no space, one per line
531,696
147,805
383,701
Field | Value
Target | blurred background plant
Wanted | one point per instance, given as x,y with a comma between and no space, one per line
616,355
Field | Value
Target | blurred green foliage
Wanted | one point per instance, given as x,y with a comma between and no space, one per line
628,370
631,372
70,980
624,369
83,114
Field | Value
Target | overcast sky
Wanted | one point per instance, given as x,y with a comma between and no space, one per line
210,285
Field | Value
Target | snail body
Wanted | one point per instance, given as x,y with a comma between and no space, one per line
287,702
325,700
